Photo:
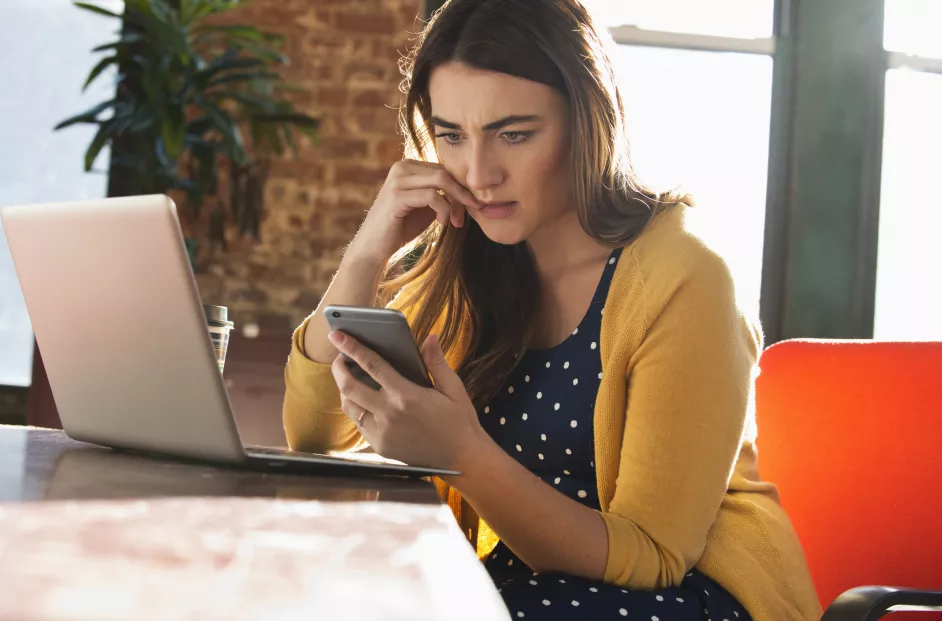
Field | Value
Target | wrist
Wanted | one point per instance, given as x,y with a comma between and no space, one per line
473,457
364,258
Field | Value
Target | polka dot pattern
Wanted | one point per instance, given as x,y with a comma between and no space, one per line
558,598
549,398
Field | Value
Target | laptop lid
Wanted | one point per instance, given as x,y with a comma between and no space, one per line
119,322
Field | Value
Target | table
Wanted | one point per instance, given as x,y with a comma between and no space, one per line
91,533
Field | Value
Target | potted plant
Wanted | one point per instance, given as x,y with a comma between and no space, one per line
198,113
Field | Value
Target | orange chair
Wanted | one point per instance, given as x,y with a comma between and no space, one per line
851,433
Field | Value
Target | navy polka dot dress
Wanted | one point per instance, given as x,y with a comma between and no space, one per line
543,418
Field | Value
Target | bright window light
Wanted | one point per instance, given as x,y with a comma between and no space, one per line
49,54
909,255
700,121
912,27
748,19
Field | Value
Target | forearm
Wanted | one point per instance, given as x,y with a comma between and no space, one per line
547,530
355,284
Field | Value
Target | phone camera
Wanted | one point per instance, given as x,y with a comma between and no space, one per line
336,314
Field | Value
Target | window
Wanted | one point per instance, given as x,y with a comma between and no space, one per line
908,301
37,164
700,121
696,77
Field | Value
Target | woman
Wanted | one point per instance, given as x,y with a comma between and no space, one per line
600,403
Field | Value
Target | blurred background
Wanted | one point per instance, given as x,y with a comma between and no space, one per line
807,131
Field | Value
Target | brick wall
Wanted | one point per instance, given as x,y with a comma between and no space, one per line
345,53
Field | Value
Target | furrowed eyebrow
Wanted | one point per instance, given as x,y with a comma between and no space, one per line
493,126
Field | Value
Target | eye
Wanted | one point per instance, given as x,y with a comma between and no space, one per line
450,138
516,137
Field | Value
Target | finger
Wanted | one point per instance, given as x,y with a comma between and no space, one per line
354,391
428,197
351,409
364,419
412,166
458,210
371,362
446,380
442,180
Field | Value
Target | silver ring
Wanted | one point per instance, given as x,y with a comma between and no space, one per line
360,418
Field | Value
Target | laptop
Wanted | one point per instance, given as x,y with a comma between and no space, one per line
120,325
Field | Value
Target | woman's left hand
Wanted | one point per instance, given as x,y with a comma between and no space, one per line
434,427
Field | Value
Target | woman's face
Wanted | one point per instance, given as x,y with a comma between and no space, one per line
507,140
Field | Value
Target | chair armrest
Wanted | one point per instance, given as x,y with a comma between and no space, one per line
873,602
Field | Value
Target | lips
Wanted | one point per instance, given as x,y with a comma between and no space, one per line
498,210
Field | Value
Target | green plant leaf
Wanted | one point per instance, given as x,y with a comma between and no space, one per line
214,66
311,133
173,136
95,9
206,76
132,162
211,7
206,158
163,12
243,77
294,118
199,126
269,136
163,158
231,136
289,138
101,66
127,39
138,5
290,88
245,32
132,117
186,8
98,142
264,52
255,104
89,116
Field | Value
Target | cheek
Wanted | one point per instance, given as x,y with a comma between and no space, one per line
451,159
548,170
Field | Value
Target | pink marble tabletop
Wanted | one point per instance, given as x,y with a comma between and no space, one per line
185,557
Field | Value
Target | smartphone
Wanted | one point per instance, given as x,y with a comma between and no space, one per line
385,331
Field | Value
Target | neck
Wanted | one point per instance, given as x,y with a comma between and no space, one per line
562,246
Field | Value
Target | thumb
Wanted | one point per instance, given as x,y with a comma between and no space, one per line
446,381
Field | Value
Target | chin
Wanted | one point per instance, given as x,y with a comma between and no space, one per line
503,233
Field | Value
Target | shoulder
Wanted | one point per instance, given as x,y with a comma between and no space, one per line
670,257
671,249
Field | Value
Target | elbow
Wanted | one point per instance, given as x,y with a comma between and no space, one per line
660,569
312,430
638,561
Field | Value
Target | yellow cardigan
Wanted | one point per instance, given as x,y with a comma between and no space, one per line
675,432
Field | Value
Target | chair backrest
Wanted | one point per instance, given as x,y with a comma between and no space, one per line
851,433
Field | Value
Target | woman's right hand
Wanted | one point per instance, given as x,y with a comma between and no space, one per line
415,193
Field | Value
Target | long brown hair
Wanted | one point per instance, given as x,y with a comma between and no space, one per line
487,292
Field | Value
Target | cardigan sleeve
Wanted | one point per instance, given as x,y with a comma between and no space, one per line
311,414
689,393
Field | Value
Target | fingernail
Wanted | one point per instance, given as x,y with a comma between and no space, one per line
337,338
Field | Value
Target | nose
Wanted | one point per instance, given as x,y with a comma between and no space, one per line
484,170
